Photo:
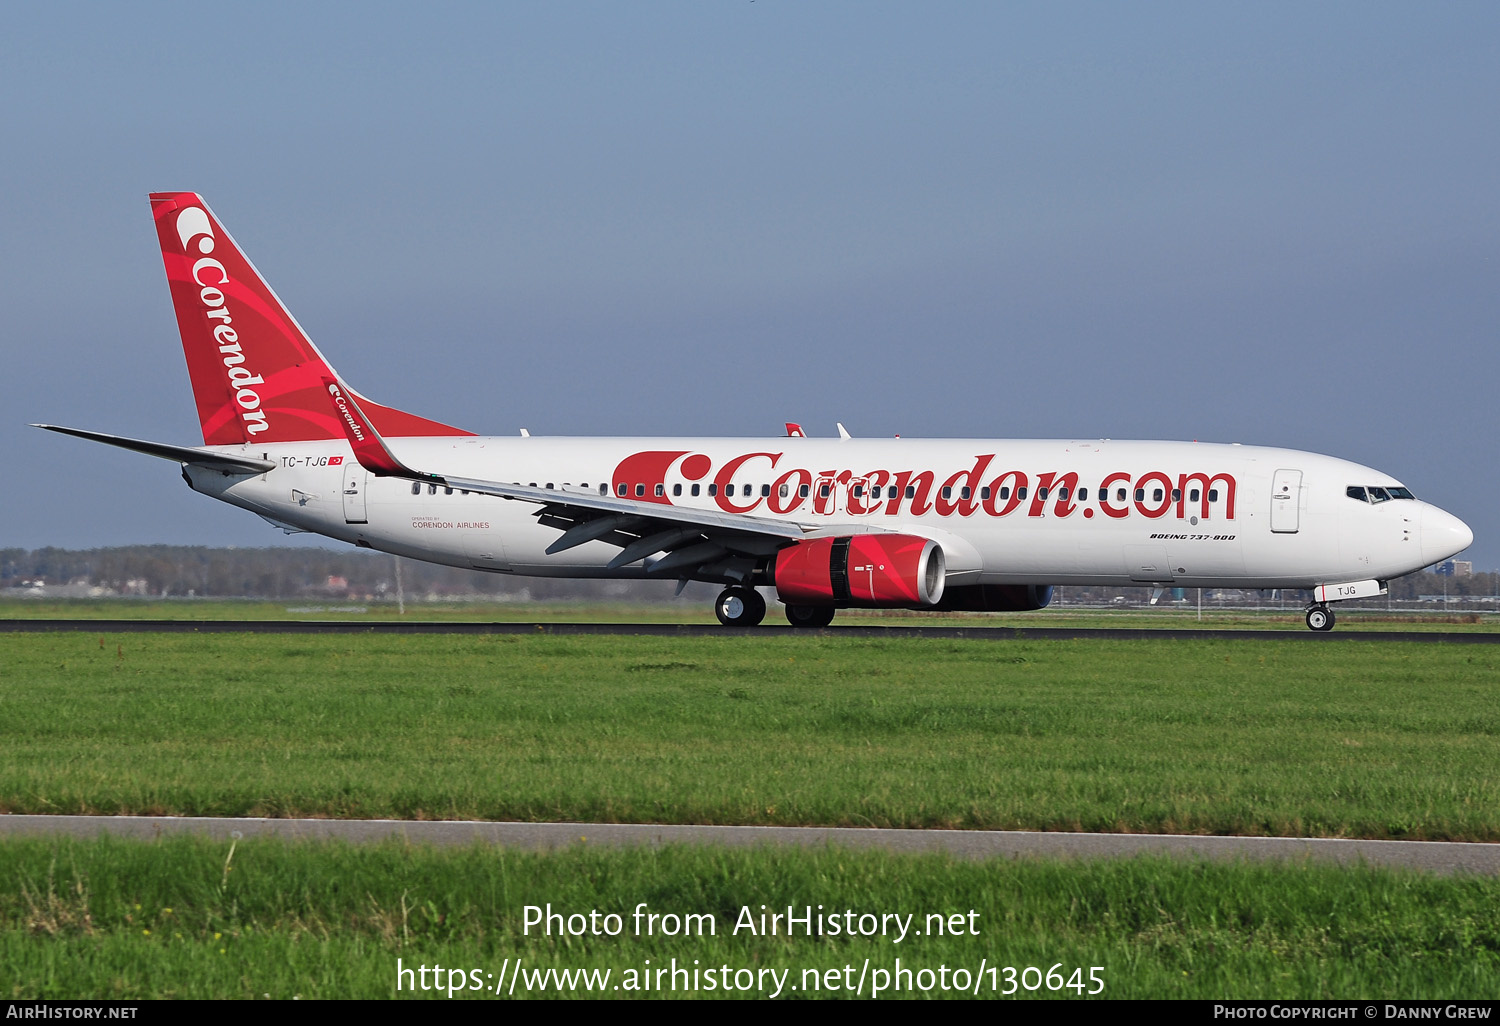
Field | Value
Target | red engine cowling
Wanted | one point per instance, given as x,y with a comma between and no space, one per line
861,570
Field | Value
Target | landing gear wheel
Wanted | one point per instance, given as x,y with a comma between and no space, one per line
809,616
1320,618
740,607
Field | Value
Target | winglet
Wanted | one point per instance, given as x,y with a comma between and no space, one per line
795,430
844,433
369,448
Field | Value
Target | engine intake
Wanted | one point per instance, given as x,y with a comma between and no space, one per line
861,570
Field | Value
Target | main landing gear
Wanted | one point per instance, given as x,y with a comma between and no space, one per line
809,616
1319,618
740,607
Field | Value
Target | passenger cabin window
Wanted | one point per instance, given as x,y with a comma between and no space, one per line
1083,495
432,489
1119,495
1193,495
857,491
965,493
784,491
624,490
1176,494
911,491
695,490
661,491
984,493
1041,494
1140,495
604,490
1062,493
765,491
1213,495
822,491
947,492
713,489
416,488
676,490
802,491
1021,492
729,489
640,491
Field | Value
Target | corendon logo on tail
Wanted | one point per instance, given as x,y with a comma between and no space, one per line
196,232
756,482
339,401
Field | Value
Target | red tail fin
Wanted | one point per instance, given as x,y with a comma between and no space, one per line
256,375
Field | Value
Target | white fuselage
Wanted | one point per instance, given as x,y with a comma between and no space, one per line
1004,512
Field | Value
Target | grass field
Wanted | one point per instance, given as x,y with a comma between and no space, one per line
698,610
1244,737
188,918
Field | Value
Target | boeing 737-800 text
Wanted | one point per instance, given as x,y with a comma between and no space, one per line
939,524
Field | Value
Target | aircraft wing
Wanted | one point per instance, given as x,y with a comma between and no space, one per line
698,543
224,463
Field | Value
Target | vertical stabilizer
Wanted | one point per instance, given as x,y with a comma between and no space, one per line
256,375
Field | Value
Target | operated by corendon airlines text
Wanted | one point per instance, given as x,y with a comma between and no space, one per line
858,977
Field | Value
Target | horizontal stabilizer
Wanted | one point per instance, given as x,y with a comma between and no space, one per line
206,458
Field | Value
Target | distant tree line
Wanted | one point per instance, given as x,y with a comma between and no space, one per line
180,571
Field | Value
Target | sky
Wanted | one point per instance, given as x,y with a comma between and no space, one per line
1264,223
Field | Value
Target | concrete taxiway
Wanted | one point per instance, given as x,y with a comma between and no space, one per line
1443,857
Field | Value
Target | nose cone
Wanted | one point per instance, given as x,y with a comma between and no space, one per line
1443,535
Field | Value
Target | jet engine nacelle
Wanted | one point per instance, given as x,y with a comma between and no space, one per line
997,598
861,570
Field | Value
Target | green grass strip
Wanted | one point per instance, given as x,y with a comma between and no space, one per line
697,609
1241,737
190,918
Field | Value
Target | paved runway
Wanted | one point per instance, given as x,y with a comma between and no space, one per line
1431,856
716,631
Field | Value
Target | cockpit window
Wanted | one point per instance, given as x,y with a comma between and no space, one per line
1377,493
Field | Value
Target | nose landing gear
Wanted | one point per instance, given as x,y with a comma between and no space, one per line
1319,618
740,607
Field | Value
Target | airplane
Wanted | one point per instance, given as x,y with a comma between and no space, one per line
825,523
